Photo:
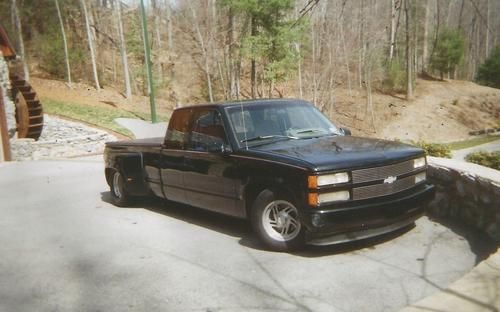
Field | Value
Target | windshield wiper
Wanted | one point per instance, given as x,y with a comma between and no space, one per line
321,131
265,137
310,131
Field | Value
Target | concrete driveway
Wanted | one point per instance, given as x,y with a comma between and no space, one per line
63,247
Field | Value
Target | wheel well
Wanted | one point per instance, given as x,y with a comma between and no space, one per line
254,189
108,172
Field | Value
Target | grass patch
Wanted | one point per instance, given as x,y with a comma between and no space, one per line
102,117
473,142
491,160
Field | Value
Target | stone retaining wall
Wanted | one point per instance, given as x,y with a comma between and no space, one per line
9,105
467,193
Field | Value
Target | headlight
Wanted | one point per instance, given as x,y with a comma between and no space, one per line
317,199
334,196
328,179
419,162
420,177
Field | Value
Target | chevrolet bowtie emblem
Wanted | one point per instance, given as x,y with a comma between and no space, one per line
390,180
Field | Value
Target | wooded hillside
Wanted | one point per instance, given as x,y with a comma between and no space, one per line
213,50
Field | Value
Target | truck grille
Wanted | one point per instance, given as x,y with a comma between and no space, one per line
381,173
376,190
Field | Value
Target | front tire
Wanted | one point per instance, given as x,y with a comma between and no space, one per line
119,194
275,219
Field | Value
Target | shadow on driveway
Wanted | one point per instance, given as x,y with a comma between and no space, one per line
241,228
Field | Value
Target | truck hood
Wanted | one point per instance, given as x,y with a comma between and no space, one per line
337,152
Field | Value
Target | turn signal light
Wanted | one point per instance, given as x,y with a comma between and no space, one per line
313,199
312,182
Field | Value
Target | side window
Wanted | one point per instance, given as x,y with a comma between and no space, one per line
178,130
242,123
208,131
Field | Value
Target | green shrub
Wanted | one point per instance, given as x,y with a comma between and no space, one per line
449,51
395,77
491,160
489,72
434,149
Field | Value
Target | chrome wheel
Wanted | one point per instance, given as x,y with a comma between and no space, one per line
280,220
117,185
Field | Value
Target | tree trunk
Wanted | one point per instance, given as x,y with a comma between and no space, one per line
233,87
91,44
409,82
361,53
169,27
123,50
436,35
487,39
299,71
299,67
17,22
204,52
459,15
156,14
425,48
415,45
313,55
368,87
448,13
253,69
392,37
65,43
344,51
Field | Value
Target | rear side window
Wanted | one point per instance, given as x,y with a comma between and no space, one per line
208,130
178,129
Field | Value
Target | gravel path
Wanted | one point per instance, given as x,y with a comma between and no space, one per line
61,139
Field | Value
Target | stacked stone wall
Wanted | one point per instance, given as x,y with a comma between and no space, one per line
9,105
467,193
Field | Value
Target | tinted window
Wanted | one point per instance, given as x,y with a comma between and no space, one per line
178,129
208,131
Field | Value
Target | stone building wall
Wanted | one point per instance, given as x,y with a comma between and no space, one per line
466,192
9,105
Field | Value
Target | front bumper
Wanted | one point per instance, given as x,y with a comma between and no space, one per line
353,221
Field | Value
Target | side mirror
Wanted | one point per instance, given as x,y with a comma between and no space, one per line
345,131
218,148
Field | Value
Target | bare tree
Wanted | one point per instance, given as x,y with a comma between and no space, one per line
170,38
156,15
409,76
19,30
203,47
65,43
487,39
123,49
392,38
90,38
314,69
253,69
425,43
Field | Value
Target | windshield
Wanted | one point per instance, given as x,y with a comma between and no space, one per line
264,123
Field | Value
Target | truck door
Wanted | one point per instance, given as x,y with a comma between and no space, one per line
172,165
207,177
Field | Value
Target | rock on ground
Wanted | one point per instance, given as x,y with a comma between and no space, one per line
61,139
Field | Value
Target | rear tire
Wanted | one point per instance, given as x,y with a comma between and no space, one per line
275,219
119,194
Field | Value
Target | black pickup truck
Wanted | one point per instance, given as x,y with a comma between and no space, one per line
279,163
